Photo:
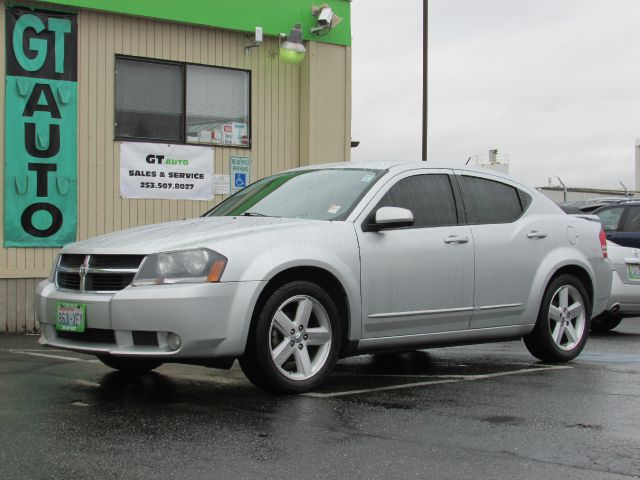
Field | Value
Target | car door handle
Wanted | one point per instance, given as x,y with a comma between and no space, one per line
456,239
536,234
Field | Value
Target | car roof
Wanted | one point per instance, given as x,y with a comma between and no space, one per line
402,166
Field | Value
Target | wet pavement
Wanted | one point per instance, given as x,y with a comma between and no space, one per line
478,412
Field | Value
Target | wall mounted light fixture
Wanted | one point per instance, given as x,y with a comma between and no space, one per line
292,49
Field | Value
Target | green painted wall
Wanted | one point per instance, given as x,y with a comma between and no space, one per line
274,16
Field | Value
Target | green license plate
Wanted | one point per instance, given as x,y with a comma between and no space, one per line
634,272
71,317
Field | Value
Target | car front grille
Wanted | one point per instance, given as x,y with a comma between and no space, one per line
96,273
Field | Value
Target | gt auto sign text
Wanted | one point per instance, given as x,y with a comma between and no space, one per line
171,172
40,128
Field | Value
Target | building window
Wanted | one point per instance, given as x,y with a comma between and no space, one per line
180,103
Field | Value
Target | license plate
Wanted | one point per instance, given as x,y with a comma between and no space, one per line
71,317
634,272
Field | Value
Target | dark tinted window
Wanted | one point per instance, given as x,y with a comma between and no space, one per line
632,222
429,197
610,218
488,201
149,100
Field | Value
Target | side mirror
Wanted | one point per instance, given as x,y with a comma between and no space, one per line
390,217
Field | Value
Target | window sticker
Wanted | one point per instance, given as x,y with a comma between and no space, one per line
334,208
368,177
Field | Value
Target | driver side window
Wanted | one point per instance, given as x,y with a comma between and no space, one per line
429,197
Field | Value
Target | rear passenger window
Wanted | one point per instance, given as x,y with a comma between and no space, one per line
610,218
429,197
632,222
488,201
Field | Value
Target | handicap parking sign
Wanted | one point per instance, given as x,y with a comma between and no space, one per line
240,173
240,180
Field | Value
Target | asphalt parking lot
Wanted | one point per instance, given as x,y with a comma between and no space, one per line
488,411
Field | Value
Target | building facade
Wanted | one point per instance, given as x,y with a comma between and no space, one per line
86,78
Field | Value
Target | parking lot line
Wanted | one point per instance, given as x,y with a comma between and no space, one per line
48,355
463,378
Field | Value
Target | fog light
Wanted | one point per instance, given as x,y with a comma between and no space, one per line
173,341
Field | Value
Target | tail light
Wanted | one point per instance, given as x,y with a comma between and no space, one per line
603,244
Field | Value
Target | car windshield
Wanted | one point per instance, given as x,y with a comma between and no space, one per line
323,194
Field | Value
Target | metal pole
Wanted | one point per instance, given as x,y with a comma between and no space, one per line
425,51
564,187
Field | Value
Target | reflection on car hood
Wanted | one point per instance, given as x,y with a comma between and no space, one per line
199,232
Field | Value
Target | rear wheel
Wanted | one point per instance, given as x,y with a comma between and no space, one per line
562,326
295,341
129,365
605,324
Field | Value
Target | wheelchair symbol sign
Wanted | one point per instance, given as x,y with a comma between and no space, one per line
240,180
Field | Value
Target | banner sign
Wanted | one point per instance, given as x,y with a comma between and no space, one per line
170,172
240,168
40,208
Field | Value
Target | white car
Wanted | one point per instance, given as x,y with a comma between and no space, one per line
625,288
312,264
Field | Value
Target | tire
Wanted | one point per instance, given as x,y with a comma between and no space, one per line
603,324
562,327
133,366
295,340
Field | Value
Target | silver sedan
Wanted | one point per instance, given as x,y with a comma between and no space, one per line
313,264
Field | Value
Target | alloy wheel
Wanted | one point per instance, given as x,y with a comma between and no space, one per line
300,337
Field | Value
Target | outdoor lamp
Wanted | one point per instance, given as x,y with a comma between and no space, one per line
292,50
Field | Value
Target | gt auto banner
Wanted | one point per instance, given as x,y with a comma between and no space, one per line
40,170
168,172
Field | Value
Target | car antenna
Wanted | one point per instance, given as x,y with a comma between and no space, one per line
468,160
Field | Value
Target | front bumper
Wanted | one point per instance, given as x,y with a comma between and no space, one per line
603,271
211,319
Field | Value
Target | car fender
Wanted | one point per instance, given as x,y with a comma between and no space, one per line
554,261
339,257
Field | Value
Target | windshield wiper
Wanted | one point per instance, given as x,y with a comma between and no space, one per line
254,214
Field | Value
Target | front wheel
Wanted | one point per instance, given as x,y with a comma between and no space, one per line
562,326
294,344
132,366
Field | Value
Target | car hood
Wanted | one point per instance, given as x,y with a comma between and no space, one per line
199,232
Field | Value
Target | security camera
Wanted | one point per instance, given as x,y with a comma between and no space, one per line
325,16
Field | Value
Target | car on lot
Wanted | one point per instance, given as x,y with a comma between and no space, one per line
588,206
621,223
625,288
306,266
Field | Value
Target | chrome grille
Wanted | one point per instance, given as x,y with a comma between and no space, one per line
96,273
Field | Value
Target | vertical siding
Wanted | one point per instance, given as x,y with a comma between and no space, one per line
275,100
282,97
17,312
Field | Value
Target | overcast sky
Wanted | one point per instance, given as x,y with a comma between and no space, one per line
554,84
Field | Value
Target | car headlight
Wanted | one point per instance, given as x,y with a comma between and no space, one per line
185,266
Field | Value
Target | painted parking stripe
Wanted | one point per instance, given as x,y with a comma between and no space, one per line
464,378
48,355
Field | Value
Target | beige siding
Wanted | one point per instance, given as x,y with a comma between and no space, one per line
275,120
299,116
17,313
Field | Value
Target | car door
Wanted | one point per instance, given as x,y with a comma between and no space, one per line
611,220
628,234
418,279
509,247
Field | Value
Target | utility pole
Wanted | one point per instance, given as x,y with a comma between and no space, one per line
425,63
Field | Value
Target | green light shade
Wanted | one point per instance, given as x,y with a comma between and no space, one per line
290,56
